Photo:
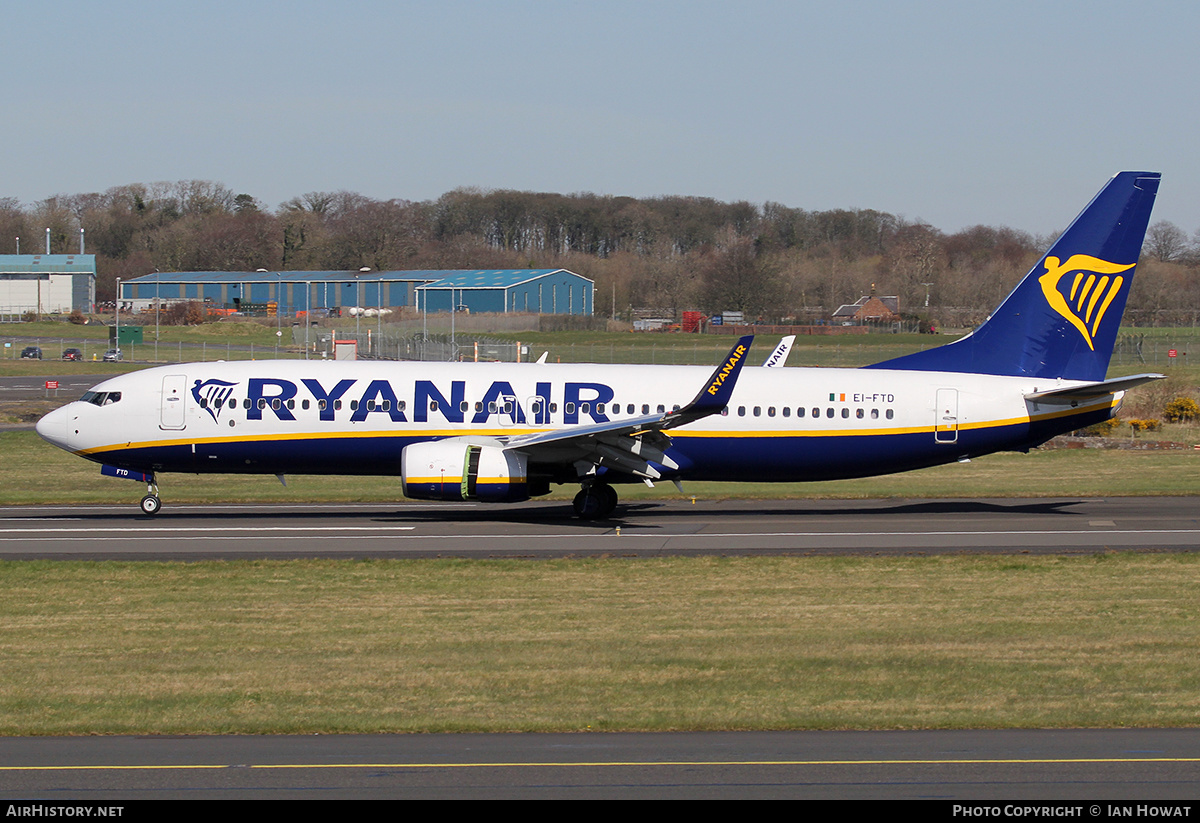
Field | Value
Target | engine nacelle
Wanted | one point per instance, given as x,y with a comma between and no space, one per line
455,469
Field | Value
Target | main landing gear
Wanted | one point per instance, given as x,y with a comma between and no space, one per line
596,501
150,504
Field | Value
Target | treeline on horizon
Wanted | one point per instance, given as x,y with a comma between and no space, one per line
660,255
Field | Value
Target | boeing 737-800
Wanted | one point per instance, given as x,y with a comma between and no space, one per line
507,432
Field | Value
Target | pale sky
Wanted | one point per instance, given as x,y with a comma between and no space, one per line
956,113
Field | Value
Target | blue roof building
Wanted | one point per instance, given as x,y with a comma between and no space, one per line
541,291
544,291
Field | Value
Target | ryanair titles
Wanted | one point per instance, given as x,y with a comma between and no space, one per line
425,402
727,369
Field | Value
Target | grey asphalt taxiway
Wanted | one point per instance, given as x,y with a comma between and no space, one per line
1094,767
638,529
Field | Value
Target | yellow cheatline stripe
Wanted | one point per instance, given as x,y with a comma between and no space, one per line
454,480
618,763
510,432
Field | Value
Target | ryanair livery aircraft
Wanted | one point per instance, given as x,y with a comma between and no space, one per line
494,432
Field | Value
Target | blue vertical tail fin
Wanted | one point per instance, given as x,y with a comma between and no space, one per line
1061,320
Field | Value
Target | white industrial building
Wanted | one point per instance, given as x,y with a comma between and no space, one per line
47,283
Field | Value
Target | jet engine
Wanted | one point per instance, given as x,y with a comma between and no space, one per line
455,469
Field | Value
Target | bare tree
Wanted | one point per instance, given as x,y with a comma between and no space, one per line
1165,242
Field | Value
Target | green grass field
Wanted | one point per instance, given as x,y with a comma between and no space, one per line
570,645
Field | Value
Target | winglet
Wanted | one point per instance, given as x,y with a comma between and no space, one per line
716,392
778,358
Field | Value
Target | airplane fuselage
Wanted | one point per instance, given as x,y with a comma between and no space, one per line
794,424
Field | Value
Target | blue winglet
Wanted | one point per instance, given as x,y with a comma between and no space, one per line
717,391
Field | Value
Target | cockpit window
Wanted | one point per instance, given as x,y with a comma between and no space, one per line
101,398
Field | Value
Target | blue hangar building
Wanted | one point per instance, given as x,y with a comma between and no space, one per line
541,291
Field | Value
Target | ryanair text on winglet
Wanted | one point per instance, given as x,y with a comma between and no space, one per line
726,369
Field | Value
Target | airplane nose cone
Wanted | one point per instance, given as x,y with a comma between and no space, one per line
53,428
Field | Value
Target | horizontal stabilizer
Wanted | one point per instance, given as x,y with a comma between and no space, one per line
1091,391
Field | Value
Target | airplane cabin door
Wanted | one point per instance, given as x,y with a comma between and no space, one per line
945,426
174,402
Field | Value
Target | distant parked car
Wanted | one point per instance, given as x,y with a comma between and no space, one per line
112,355
31,353
72,354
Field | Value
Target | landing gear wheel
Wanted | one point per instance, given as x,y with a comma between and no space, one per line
610,498
151,504
595,502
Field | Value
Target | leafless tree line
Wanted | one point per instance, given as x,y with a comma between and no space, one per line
660,255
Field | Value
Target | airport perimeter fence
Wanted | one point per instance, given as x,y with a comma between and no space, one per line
1132,350
1160,350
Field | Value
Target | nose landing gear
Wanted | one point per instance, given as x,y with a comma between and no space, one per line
150,504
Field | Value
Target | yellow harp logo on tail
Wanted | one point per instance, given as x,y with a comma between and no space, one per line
1090,292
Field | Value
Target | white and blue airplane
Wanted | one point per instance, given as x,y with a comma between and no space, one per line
507,432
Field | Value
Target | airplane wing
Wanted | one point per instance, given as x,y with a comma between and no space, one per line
630,445
1091,391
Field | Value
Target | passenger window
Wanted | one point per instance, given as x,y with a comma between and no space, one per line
770,411
845,414
799,411
630,409
353,405
874,414
246,403
569,408
478,405
304,404
320,404
661,408
859,414
275,404
463,406
829,413
433,405
758,411
600,408
741,411
787,412
262,402
387,405
584,408
337,405
889,414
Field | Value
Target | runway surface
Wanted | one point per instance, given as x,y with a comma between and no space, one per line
547,529
1090,766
